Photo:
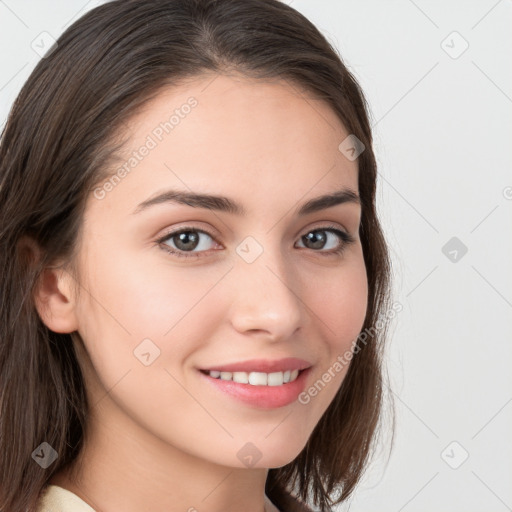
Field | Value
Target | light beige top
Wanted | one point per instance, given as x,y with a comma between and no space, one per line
57,499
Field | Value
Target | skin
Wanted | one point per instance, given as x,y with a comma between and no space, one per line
159,438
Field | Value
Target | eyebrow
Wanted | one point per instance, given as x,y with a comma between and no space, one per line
225,204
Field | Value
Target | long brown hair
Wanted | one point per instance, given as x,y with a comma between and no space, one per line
55,147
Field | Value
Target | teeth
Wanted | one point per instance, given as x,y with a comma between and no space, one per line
257,378
240,377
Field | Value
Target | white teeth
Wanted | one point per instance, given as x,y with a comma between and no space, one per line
275,379
257,378
240,377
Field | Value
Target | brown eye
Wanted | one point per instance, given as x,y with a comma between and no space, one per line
317,240
186,240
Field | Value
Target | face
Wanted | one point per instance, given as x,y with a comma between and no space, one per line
174,288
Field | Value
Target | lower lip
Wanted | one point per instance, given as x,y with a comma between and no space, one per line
264,397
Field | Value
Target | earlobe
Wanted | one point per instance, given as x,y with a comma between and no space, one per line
53,292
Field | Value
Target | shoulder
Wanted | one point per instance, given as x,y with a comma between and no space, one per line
57,499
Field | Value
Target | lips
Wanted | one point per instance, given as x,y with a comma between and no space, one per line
260,397
262,365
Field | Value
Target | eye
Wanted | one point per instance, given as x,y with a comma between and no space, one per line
185,240
338,239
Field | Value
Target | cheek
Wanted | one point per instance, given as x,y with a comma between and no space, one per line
134,309
339,301
140,298
337,305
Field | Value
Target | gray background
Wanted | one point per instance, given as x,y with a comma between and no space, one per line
442,116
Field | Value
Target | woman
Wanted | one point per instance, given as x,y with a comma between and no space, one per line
243,372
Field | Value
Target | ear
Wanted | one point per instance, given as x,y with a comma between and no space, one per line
53,293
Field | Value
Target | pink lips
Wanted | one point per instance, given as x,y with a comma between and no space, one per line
263,365
262,397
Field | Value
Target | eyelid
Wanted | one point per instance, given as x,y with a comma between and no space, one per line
325,225
187,227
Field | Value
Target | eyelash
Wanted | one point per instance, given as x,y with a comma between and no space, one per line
346,238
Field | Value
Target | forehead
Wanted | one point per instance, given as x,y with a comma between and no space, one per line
246,138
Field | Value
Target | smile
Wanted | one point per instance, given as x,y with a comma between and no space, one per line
262,390
256,378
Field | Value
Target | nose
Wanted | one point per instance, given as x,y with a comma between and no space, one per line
266,297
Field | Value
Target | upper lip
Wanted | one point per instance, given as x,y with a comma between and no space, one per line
262,365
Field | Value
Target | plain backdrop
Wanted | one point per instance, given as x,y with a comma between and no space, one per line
436,77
